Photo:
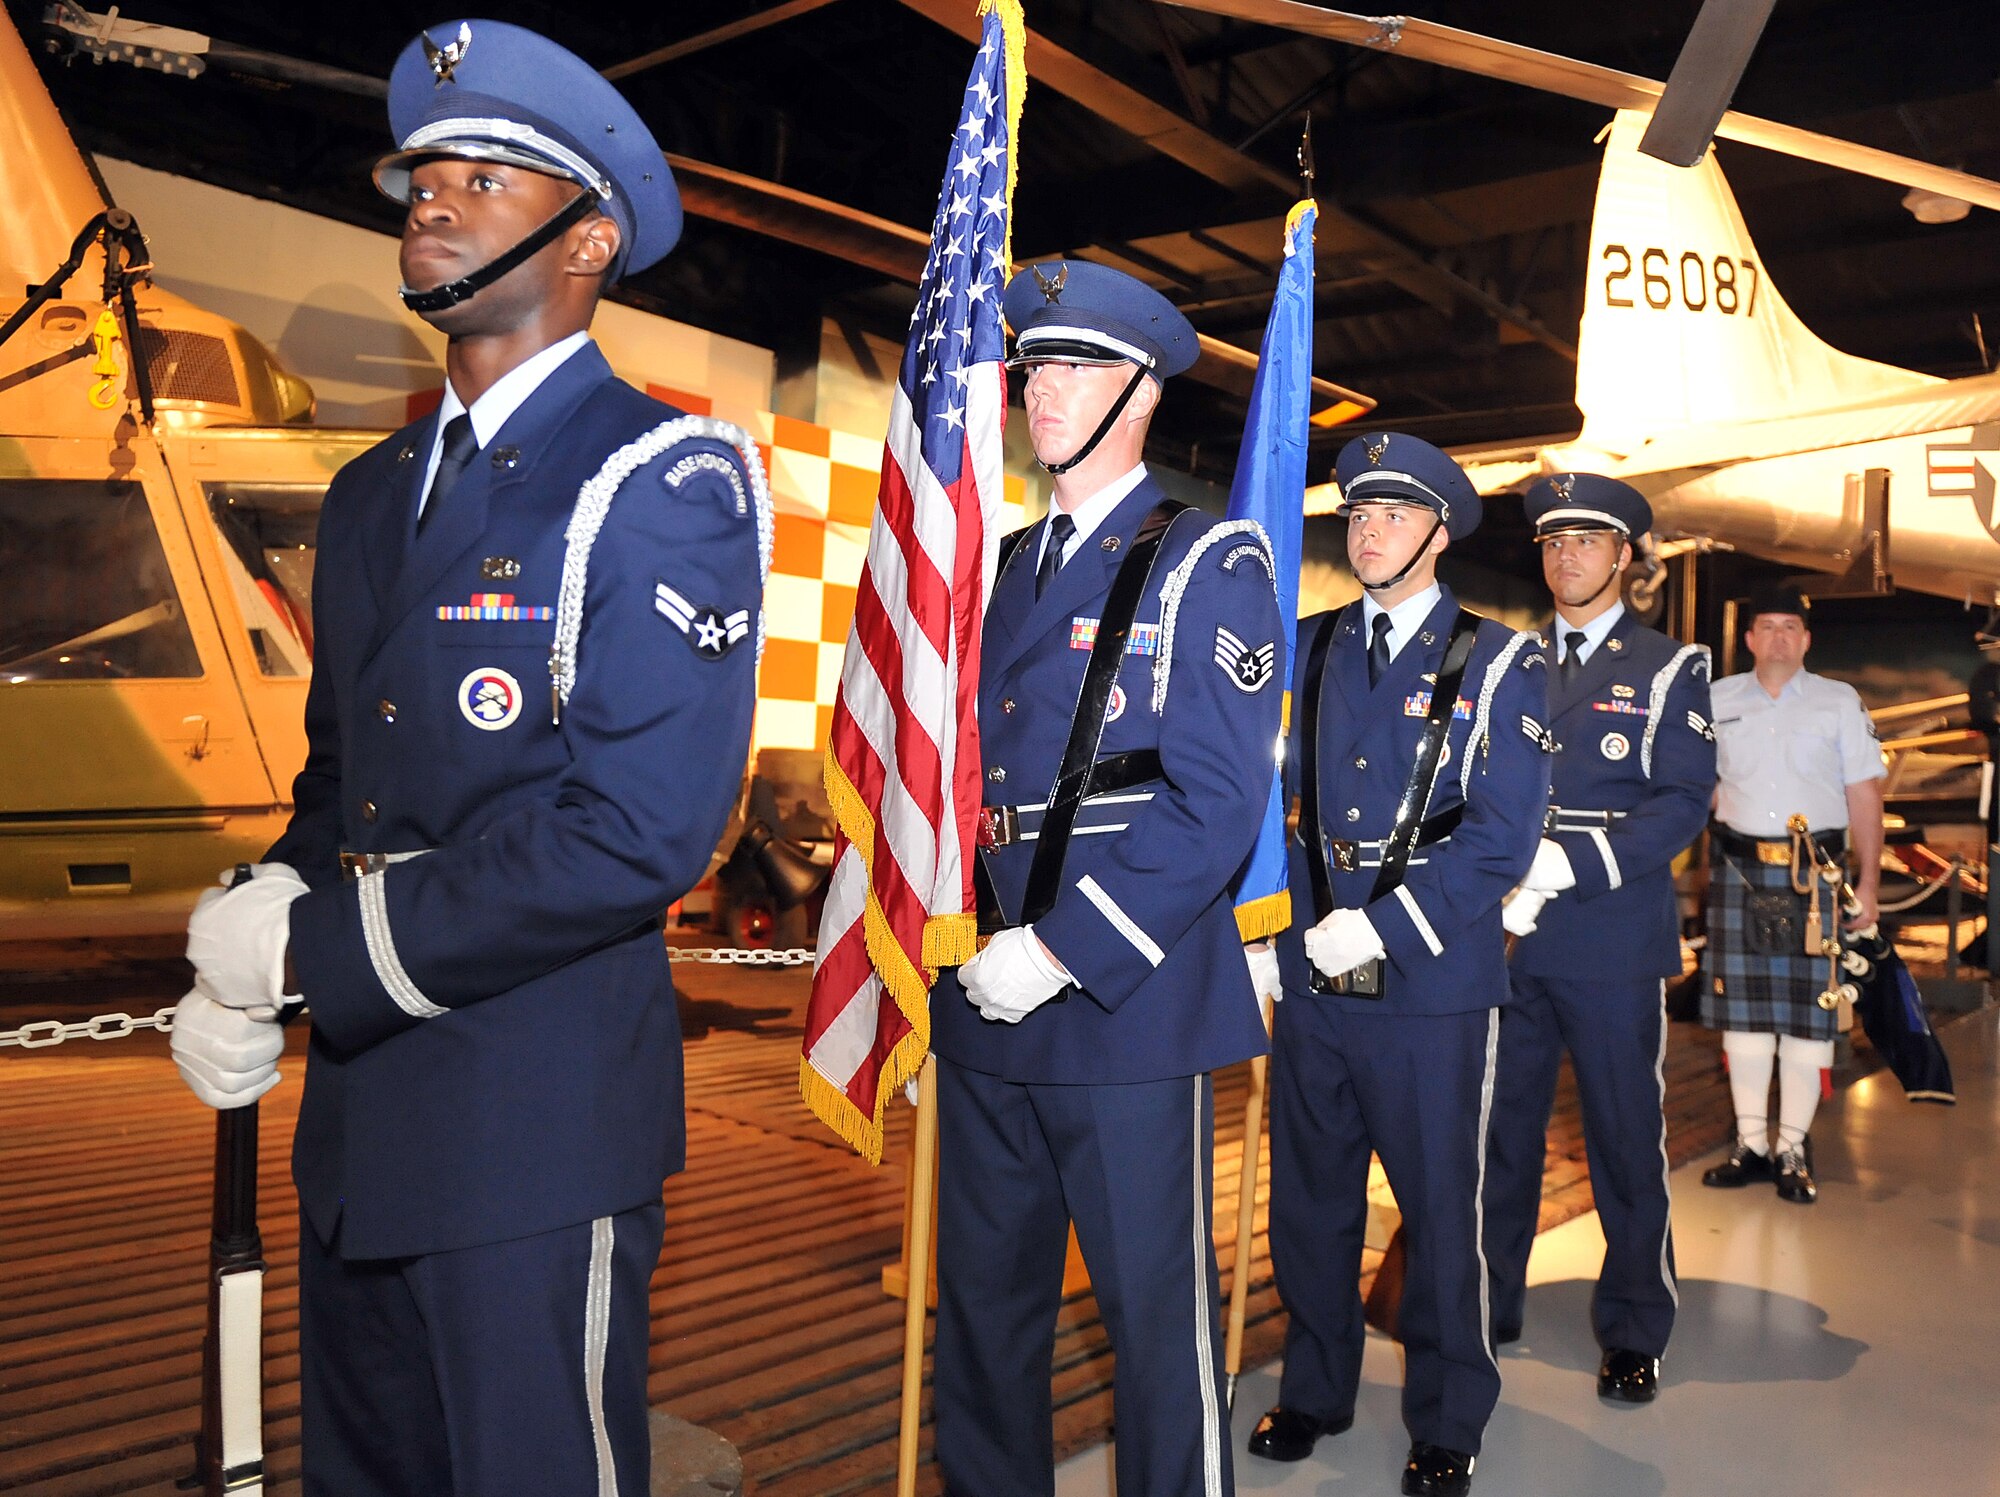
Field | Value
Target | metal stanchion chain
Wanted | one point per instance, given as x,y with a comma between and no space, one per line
742,956
45,1033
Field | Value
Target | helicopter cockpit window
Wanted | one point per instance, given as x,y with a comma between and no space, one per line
85,591
267,531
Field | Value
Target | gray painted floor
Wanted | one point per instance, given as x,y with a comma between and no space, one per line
1840,1350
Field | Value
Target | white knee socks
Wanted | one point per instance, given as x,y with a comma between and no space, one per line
1750,1057
1800,1063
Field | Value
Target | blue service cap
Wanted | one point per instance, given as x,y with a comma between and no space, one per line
488,91
1077,312
1563,503
1390,467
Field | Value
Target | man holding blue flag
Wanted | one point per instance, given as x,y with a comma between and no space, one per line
1269,489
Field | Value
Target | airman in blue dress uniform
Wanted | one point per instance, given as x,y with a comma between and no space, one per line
537,617
1633,772
1074,1049
1395,1050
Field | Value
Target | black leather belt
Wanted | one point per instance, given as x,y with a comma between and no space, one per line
1348,855
1758,848
1571,819
354,864
1000,826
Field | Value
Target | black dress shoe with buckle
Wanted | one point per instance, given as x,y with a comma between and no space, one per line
1795,1181
1287,1435
1433,1471
1743,1165
1628,1376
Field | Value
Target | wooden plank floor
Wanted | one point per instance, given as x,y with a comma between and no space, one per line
769,1323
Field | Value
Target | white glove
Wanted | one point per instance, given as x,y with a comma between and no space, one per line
1521,909
1550,873
225,1056
237,938
1013,976
1343,941
1262,958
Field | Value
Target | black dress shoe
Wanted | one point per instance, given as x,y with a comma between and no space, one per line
1433,1471
1506,1335
1287,1435
1743,1165
1795,1181
1628,1376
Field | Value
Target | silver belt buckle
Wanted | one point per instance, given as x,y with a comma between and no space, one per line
354,864
998,826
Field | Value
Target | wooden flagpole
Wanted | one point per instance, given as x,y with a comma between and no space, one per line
1246,1213
919,1225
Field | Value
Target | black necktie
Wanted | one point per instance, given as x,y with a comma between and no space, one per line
1573,643
461,445
1061,528
1378,649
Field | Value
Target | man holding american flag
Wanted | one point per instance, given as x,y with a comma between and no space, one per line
1129,701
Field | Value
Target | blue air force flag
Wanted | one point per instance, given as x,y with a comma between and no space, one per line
1270,488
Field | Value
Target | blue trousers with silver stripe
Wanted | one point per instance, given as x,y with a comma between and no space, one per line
1130,1165
492,1371
1414,1089
1615,1033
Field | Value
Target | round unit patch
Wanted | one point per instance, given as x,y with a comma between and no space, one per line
489,698
1116,709
1614,746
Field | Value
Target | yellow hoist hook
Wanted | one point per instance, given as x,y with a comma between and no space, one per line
106,335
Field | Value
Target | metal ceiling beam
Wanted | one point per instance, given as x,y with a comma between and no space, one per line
1409,265
1447,46
714,37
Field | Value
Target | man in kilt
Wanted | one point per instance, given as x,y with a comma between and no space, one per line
1788,743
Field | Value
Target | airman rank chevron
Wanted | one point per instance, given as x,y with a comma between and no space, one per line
1142,639
707,630
1248,667
495,606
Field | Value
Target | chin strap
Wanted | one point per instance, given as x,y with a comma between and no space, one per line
1410,565
1617,571
453,292
1139,372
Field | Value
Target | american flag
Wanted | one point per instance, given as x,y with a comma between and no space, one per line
902,765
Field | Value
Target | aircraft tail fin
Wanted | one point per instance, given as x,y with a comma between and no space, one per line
1681,325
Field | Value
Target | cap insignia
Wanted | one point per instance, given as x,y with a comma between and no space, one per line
1052,286
445,60
1375,448
1564,485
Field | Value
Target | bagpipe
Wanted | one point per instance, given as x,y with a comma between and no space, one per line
1863,968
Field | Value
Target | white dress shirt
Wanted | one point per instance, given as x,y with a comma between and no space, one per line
1593,634
1093,512
491,410
1793,754
1404,619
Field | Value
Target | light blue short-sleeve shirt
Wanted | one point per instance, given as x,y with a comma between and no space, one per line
1795,753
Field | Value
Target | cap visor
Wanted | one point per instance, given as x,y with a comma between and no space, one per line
392,172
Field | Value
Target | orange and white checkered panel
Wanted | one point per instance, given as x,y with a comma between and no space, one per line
823,490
